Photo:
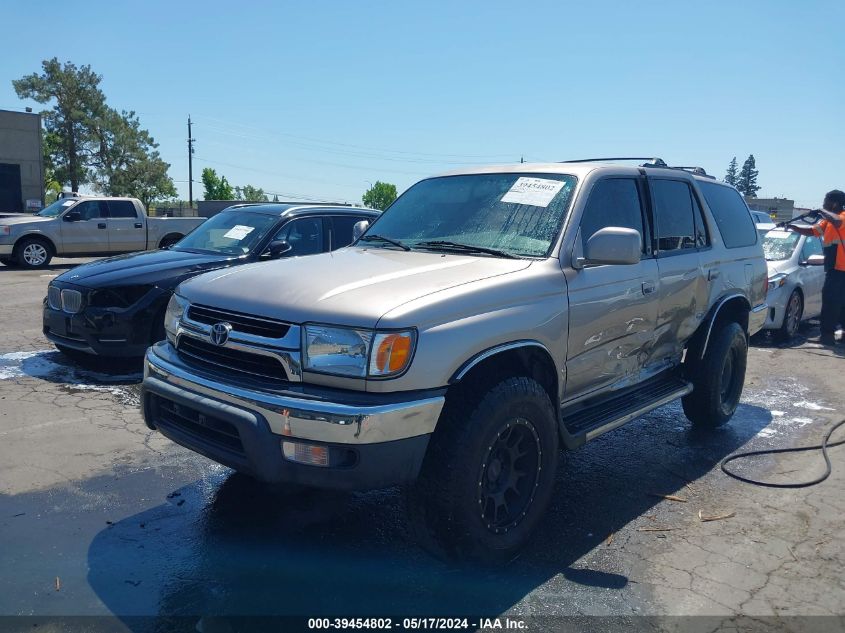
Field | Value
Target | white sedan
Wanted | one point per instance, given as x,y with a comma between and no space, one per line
796,276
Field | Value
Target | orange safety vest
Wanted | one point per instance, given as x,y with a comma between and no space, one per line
832,236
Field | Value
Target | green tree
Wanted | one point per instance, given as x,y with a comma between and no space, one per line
126,161
731,175
216,187
77,101
248,193
747,180
380,196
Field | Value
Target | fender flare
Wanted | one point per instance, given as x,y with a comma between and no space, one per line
465,368
715,311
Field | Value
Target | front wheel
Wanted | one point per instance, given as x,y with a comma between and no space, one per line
488,475
717,378
32,252
8,261
791,317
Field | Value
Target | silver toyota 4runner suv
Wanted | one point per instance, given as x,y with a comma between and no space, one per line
488,318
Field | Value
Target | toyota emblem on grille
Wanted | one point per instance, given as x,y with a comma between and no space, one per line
220,333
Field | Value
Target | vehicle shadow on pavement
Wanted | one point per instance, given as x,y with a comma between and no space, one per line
229,547
53,366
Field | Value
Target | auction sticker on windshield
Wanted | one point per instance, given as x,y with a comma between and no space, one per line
239,232
537,192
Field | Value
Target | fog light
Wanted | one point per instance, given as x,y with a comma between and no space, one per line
310,454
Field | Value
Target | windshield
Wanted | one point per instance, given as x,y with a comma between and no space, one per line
234,232
59,206
517,214
779,245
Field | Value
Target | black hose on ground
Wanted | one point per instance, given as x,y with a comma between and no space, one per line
774,451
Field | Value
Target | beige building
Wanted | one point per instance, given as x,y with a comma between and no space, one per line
782,209
21,162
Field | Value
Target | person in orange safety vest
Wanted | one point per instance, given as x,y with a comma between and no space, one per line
832,231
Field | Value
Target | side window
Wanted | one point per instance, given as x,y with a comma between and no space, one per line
122,209
342,230
612,202
731,214
305,235
673,215
91,209
812,246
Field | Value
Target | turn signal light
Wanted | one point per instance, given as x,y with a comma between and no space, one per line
392,353
310,454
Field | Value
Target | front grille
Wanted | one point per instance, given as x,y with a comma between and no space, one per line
54,297
71,301
205,355
199,425
248,324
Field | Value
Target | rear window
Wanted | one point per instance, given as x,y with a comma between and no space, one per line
731,214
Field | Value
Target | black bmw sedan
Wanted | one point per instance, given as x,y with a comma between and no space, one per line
115,307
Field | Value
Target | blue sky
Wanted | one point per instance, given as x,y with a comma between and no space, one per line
319,98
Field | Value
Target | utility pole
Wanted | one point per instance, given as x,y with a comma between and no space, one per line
521,159
191,140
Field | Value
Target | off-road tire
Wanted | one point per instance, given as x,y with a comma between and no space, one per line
449,505
791,323
717,378
23,257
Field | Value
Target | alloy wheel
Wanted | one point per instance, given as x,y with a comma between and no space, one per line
35,254
509,476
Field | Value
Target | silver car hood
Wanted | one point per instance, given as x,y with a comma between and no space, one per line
352,286
21,218
781,266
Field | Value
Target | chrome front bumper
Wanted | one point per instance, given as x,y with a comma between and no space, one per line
297,417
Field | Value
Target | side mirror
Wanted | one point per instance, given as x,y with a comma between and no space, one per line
278,249
614,245
72,216
359,228
815,260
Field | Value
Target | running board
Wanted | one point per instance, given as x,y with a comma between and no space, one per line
586,422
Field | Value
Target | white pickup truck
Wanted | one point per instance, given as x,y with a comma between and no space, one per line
86,226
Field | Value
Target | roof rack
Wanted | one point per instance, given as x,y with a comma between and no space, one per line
652,162
655,162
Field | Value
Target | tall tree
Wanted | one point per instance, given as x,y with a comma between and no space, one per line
380,196
77,101
731,175
216,187
126,161
249,193
747,180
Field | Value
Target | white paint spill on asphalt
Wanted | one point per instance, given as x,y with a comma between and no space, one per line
786,401
812,406
42,364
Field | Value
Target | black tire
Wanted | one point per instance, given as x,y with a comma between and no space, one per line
8,261
500,444
793,314
33,253
718,378
169,240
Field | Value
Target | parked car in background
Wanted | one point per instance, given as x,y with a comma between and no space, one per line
796,276
115,306
486,318
763,222
83,226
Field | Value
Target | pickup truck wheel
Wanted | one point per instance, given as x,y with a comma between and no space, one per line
169,240
791,318
717,378
8,261
488,474
32,252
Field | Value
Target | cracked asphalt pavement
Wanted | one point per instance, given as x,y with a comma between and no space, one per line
101,517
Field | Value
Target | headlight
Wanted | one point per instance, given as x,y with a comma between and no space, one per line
172,315
356,353
776,281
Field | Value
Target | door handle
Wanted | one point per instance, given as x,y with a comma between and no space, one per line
138,225
101,225
713,274
648,287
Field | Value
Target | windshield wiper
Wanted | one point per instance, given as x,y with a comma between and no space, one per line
464,248
382,238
